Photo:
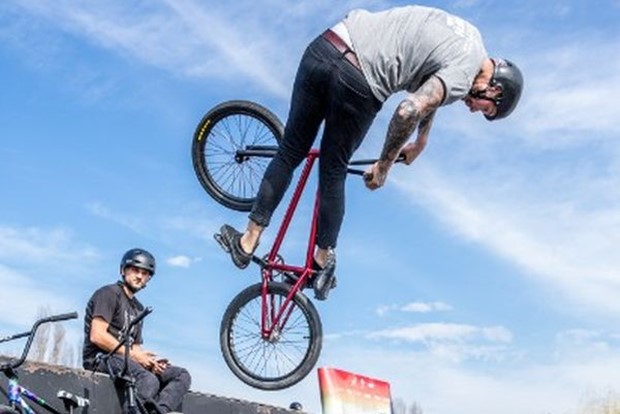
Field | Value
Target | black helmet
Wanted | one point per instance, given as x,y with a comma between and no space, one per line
508,77
139,258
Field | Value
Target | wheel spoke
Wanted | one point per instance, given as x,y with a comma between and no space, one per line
286,350
238,179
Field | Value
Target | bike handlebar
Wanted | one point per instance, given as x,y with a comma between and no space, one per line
30,334
61,317
16,336
139,317
269,151
125,332
368,176
124,341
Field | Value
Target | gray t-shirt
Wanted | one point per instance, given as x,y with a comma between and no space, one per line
402,47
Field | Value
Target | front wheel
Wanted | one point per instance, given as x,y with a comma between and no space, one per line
232,177
7,410
291,350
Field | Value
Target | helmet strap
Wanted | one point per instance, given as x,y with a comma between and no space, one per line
481,94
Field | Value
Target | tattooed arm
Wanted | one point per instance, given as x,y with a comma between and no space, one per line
413,149
417,108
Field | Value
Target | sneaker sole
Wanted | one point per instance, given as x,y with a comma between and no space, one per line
220,240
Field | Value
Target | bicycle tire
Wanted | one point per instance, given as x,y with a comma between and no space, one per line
7,410
259,362
228,127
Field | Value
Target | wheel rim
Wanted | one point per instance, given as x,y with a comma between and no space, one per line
235,177
269,359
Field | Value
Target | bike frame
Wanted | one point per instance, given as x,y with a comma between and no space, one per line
272,315
278,317
270,312
17,395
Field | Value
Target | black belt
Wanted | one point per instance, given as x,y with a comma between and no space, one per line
342,47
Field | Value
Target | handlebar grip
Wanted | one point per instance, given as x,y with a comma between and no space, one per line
16,336
368,176
61,317
355,171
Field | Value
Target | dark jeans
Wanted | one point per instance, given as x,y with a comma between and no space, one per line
327,88
166,390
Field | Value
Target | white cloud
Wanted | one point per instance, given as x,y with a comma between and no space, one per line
558,241
442,332
31,244
447,342
181,37
421,307
415,307
465,4
234,50
579,345
180,261
384,309
560,99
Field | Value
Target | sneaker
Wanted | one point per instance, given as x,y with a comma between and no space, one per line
230,240
317,268
325,279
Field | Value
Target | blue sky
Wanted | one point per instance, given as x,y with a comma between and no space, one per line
484,278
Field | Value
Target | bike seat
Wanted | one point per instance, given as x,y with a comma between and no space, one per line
71,400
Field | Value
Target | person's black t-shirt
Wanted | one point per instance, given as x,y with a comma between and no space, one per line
115,307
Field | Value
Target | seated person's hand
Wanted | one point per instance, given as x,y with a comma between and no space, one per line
144,358
160,365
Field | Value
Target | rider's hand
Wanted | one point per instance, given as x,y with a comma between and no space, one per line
410,152
376,175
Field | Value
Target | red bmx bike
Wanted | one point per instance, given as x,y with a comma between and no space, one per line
270,334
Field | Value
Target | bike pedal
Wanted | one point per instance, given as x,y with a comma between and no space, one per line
220,240
321,292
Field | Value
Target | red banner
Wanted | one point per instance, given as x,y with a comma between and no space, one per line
347,393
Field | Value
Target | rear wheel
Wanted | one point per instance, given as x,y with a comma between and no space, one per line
233,180
290,352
